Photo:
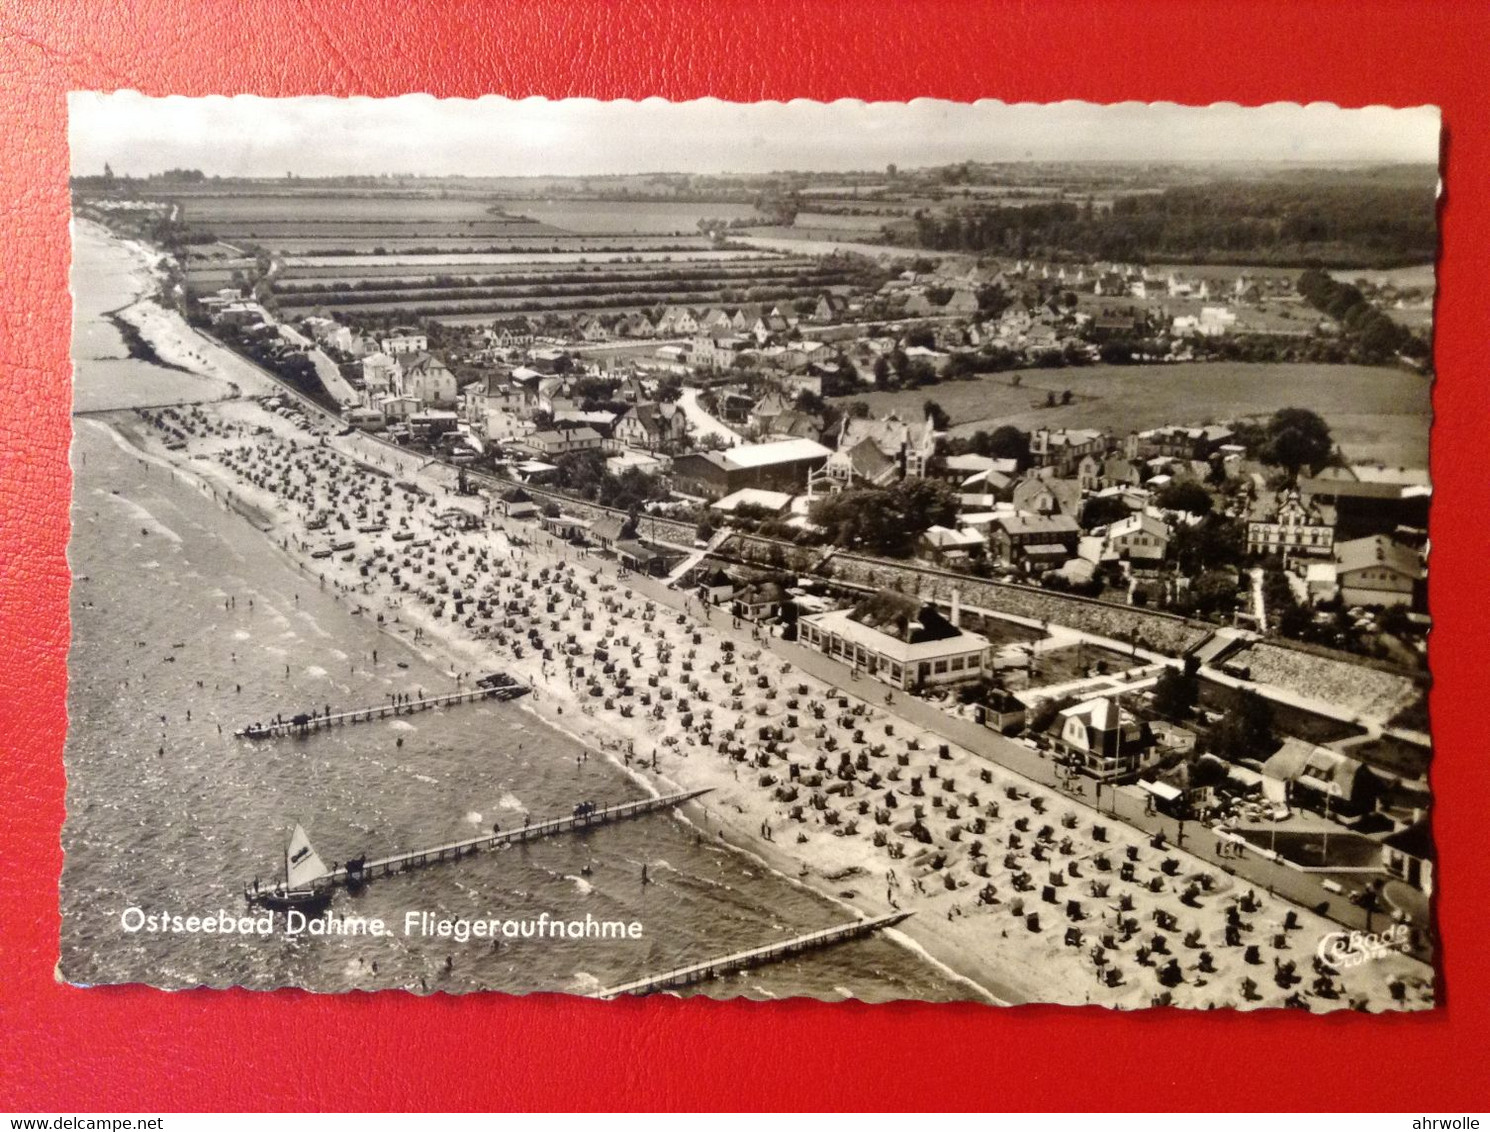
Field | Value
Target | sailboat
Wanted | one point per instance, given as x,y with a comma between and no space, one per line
299,890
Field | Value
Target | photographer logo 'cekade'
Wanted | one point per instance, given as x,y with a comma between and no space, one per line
589,553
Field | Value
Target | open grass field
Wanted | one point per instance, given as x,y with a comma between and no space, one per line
1375,413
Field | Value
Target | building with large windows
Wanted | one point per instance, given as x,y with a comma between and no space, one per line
1292,527
899,641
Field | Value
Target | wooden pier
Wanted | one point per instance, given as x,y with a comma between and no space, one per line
756,956
305,723
362,872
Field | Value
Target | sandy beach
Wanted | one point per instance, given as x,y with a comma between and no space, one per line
1028,894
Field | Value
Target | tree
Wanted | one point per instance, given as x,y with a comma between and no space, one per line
1187,496
940,420
1102,510
1214,542
1004,443
1298,438
1176,693
1213,592
885,520
1246,730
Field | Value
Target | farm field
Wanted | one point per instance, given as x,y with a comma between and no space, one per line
472,258
826,241
1376,413
550,241
562,283
362,263
609,217
213,209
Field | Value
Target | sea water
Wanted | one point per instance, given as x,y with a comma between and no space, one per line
182,606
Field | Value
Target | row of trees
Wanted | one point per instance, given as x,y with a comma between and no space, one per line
1345,223
1373,336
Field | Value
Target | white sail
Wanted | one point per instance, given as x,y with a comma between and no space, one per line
302,863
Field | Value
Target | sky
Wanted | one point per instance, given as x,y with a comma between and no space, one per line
323,136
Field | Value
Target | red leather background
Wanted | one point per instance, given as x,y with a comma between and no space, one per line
132,1048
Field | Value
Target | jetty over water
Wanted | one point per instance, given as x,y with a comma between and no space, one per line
585,817
305,723
755,957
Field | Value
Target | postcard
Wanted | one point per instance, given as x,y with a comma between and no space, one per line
853,550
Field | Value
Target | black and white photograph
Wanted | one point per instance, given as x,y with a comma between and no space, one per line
929,550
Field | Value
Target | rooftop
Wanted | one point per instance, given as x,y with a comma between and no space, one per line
754,497
775,452
840,622
1378,550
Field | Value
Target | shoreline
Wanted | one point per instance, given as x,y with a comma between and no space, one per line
986,945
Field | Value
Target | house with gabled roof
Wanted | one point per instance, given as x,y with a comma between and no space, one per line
1377,571
510,332
1101,740
676,321
1033,541
591,329
652,427
1063,448
1141,538
1047,495
964,301
714,322
767,409
635,325
830,308
427,378
1322,779
1289,527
